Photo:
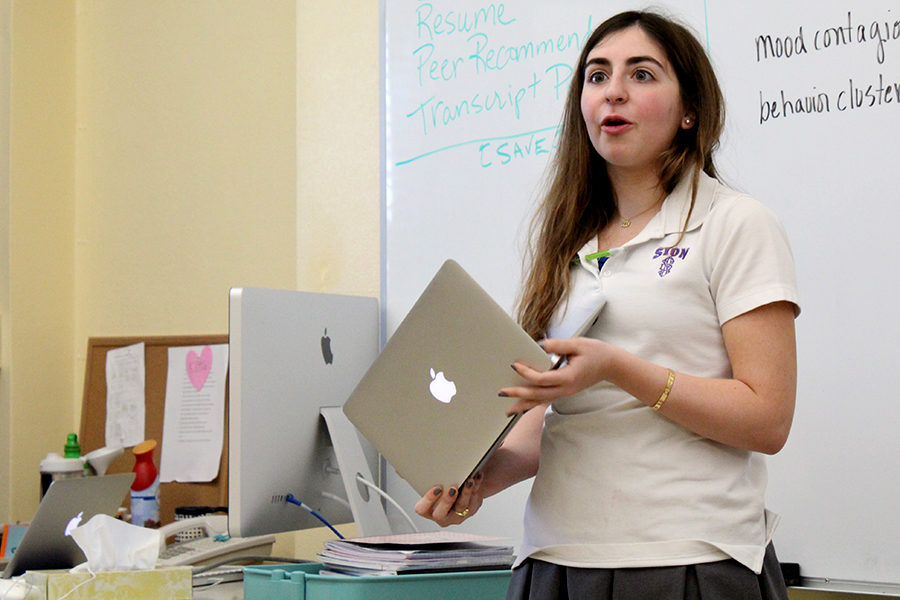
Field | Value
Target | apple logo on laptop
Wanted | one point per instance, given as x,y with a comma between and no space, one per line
73,523
327,354
442,389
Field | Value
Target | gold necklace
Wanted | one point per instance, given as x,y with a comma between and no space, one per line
626,221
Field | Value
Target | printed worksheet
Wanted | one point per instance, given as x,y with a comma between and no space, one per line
125,396
194,418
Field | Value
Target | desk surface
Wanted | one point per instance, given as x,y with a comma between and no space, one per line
224,591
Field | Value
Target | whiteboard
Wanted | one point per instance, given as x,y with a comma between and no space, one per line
472,98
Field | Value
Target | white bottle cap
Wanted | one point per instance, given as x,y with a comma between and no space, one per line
54,463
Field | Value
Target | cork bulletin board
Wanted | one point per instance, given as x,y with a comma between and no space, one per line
93,416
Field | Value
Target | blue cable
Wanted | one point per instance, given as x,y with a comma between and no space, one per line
293,500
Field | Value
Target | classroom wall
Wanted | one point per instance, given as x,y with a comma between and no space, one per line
186,180
5,10
173,135
338,149
38,318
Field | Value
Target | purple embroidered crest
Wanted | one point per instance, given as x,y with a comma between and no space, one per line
670,255
666,267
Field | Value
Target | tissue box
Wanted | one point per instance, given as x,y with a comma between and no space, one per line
170,582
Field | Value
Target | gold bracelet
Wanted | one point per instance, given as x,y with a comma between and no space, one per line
665,394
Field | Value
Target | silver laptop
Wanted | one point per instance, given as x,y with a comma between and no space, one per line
67,504
429,402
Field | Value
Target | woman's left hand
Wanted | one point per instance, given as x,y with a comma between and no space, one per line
452,506
588,362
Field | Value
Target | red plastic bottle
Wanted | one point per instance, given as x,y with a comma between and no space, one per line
145,489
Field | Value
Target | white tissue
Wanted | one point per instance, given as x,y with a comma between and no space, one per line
113,545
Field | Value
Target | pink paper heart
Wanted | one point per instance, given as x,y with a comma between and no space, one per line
198,367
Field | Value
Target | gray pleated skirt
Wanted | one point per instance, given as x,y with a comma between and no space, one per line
722,580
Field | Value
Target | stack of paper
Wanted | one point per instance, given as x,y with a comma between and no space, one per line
414,553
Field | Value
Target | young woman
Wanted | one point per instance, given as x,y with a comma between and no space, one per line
646,447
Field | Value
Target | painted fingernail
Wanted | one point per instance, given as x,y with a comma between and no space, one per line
469,484
479,476
452,492
503,395
514,368
438,491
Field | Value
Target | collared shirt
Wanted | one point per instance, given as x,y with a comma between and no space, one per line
619,485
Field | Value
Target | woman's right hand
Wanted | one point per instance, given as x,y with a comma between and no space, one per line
452,505
588,361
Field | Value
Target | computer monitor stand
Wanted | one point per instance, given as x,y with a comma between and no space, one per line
365,504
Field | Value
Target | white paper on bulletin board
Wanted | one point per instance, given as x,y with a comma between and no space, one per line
194,420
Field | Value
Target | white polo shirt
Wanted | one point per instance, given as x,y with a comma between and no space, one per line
619,485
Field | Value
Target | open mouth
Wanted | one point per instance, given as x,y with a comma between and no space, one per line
614,122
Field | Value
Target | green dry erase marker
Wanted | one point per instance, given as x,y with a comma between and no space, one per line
601,258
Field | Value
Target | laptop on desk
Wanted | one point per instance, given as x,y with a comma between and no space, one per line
67,504
429,402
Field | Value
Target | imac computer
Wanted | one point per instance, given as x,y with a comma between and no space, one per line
291,354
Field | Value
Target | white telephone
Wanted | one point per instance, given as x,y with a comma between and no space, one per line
215,546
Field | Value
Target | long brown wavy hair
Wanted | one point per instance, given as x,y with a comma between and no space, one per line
578,200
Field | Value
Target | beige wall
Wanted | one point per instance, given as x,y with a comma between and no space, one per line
154,151
5,414
338,128
186,180
37,364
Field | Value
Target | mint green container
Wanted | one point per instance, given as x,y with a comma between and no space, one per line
303,582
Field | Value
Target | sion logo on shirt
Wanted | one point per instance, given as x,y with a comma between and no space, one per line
668,256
